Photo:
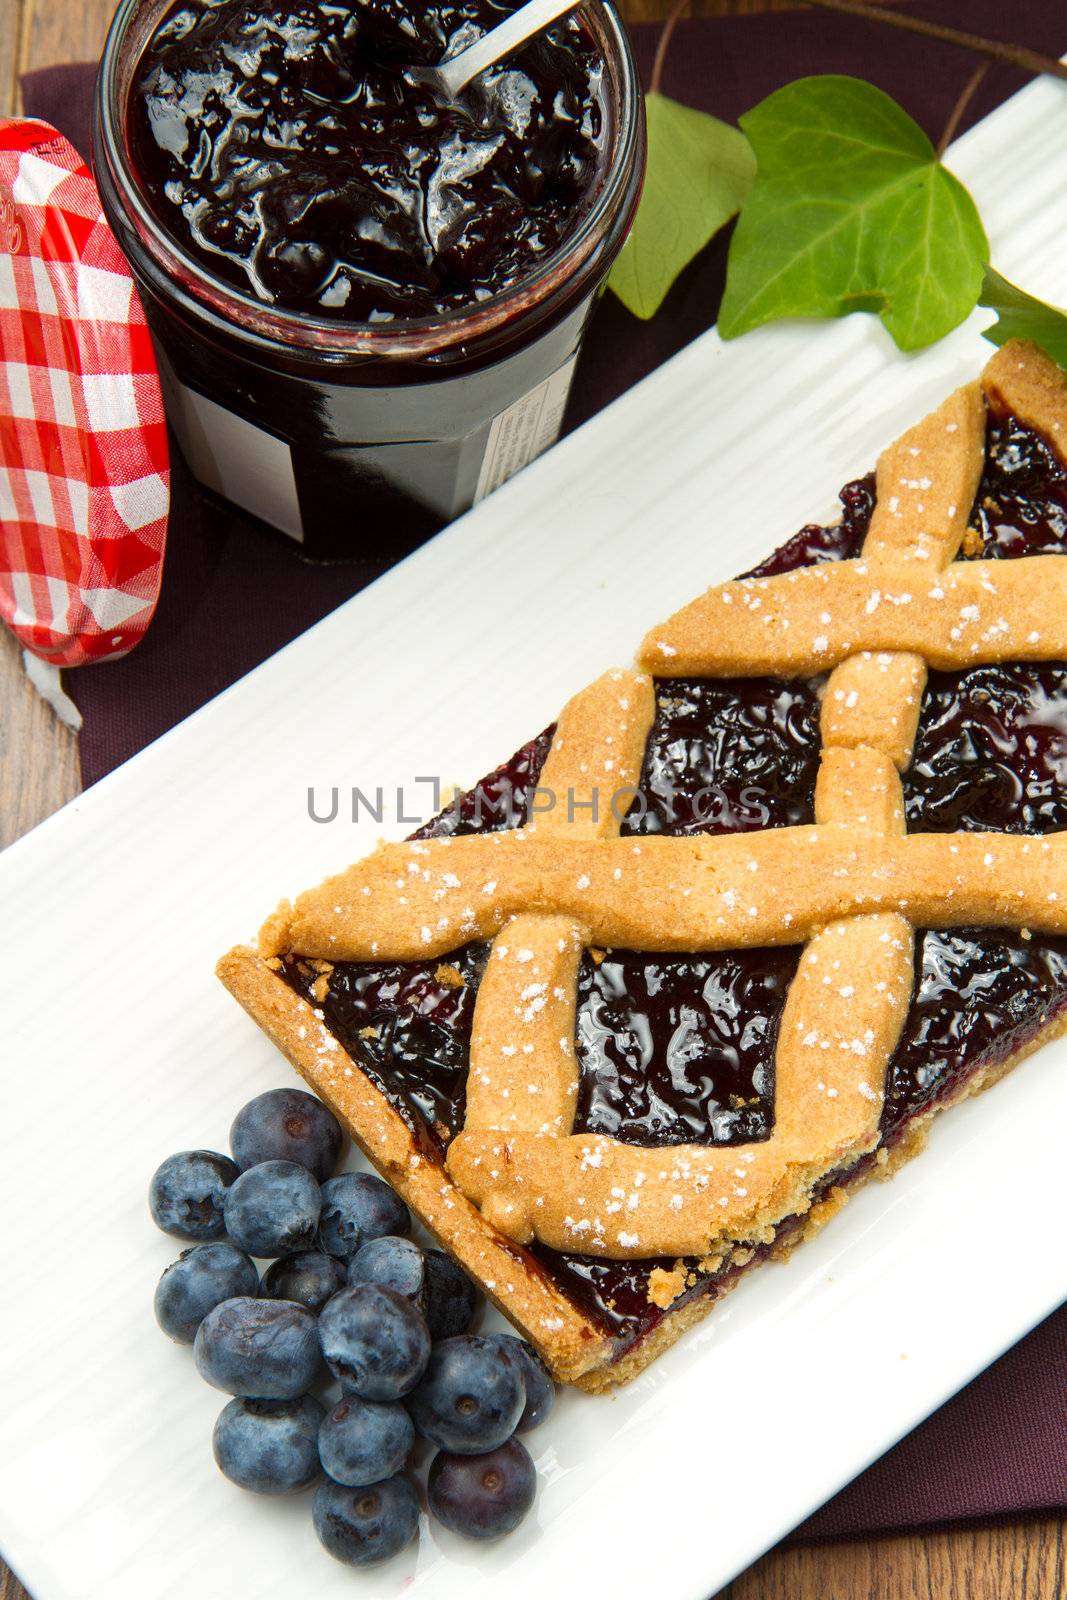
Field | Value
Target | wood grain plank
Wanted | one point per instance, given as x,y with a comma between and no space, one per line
56,31
10,1587
10,30
1008,1562
38,755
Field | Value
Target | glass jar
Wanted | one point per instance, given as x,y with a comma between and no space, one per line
349,436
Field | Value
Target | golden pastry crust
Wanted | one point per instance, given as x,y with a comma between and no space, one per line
594,1195
805,622
725,892
856,713
851,888
574,1346
523,1072
570,1342
1028,384
599,1380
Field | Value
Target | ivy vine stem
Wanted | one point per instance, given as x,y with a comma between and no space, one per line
1016,55
673,18
965,96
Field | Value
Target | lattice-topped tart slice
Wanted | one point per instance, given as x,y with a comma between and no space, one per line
639,1010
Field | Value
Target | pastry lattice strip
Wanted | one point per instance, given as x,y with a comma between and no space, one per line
852,888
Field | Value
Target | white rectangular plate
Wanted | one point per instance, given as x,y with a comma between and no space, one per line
119,1045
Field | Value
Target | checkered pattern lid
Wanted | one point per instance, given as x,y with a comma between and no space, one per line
84,478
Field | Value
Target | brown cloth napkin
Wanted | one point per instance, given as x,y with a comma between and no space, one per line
232,595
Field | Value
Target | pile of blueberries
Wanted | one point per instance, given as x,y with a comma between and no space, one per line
350,1292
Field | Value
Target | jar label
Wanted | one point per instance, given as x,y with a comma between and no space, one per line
238,460
518,435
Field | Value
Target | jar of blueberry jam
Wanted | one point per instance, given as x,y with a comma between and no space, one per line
367,300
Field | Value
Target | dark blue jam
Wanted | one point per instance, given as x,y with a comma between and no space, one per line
991,755
727,755
409,1029
500,801
980,994
1021,505
814,544
680,1048
289,148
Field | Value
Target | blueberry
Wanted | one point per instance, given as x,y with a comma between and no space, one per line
363,1441
365,1526
308,1277
540,1390
451,1297
356,1207
273,1209
471,1396
269,1446
266,1349
395,1263
197,1282
287,1125
187,1192
486,1496
375,1341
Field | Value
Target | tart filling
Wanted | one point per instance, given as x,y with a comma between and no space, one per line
676,1049
709,1025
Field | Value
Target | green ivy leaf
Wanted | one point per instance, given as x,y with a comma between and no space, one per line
699,171
851,211
1020,316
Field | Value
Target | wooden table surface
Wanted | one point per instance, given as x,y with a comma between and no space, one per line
39,773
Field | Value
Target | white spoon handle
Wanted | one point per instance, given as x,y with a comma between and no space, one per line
500,41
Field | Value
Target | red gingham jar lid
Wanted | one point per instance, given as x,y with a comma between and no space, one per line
84,476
